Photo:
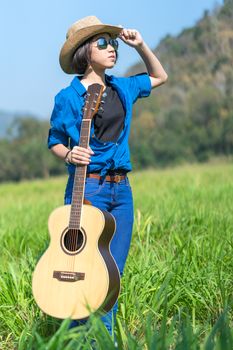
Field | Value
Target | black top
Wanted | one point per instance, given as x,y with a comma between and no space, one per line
109,122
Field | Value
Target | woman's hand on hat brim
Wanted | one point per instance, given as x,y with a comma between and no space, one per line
131,37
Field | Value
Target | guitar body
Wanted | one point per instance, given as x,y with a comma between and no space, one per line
77,276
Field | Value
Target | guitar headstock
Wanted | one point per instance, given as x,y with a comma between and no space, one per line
93,100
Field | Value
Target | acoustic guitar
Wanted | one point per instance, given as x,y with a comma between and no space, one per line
77,274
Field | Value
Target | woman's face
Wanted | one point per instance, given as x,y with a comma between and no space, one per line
102,58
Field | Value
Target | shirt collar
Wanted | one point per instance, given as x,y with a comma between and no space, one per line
80,88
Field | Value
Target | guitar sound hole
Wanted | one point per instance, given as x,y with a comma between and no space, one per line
73,240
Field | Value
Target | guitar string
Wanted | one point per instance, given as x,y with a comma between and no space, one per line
71,246
74,233
68,244
73,243
85,131
74,240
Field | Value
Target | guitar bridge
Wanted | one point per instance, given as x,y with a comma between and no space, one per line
68,276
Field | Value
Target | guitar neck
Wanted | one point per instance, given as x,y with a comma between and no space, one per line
92,103
79,179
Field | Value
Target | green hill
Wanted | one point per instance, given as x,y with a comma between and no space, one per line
191,116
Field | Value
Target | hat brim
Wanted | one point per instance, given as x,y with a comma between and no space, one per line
78,38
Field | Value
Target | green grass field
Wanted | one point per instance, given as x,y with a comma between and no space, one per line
177,285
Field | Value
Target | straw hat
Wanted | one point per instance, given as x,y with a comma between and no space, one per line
79,32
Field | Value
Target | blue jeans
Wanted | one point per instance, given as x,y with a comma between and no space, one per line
117,199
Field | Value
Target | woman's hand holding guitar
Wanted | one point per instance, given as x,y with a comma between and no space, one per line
80,156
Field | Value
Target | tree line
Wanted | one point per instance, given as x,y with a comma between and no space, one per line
24,153
194,132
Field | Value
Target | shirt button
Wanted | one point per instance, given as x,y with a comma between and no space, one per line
116,144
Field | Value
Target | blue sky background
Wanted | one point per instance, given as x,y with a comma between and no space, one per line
32,33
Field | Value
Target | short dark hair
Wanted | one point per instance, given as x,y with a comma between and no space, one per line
82,57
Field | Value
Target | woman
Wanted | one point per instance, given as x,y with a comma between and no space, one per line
90,49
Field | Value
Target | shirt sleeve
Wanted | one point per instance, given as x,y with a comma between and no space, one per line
139,86
57,133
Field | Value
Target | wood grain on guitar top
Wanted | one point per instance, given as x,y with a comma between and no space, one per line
86,276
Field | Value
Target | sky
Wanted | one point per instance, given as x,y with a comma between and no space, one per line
33,32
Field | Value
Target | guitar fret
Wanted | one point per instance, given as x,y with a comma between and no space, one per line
80,172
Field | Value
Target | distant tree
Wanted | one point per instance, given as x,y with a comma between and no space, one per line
25,155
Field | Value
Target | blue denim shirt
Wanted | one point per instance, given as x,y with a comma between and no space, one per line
66,121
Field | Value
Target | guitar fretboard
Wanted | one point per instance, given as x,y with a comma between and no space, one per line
79,179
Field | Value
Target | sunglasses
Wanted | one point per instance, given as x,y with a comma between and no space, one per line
102,43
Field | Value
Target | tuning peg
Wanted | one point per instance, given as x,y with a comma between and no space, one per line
86,96
102,101
104,94
100,109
